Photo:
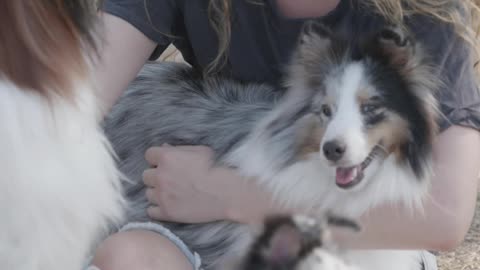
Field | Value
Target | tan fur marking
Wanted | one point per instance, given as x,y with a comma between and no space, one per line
392,133
310,140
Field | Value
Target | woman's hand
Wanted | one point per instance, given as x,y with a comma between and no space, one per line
184,186
177,185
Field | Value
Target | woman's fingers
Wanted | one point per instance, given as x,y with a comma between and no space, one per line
150,178
155,212
151,196
153,156
179,194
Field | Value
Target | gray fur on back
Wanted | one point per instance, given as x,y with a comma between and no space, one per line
170,103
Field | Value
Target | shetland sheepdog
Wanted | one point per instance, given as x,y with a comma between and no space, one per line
59,185
354,129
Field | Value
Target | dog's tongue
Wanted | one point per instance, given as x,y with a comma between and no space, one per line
345,176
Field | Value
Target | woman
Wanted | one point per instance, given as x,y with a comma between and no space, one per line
251,41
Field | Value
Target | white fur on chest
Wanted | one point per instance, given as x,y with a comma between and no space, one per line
59,187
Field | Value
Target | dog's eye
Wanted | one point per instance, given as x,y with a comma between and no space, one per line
326,110
370,108
373,105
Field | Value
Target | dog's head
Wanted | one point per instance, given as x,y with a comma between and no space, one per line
371,99
354,103
44,44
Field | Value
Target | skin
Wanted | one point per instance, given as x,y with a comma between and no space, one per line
118,66
306,8
203,193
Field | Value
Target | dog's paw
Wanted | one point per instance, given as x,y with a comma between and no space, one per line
296,243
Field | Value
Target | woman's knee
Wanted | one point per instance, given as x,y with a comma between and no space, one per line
139,250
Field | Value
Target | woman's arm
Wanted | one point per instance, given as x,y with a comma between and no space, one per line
202,194
123,53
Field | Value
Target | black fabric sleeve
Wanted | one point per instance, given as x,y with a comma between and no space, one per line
154,18
459,96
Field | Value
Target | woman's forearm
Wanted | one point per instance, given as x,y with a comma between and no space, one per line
123,52
248,203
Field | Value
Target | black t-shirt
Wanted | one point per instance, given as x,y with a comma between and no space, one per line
262,41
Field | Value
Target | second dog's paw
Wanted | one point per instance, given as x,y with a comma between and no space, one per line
296,243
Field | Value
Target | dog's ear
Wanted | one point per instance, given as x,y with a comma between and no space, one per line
310,57
314,30
314,38
397,45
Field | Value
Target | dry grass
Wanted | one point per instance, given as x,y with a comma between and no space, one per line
467,256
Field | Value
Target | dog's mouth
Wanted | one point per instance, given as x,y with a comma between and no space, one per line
348,177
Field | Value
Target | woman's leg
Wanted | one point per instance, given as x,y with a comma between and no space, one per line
140,249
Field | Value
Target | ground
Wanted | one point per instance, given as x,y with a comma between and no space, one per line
467,256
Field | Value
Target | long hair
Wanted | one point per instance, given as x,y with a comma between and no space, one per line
464,15
42,43
219,12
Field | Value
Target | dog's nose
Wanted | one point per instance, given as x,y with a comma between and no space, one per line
334,150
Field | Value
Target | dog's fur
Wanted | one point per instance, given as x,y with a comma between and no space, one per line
373,96
60,189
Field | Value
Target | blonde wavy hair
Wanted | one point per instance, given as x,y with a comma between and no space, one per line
464,15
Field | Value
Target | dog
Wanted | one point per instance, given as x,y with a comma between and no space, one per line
353,129
60,189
